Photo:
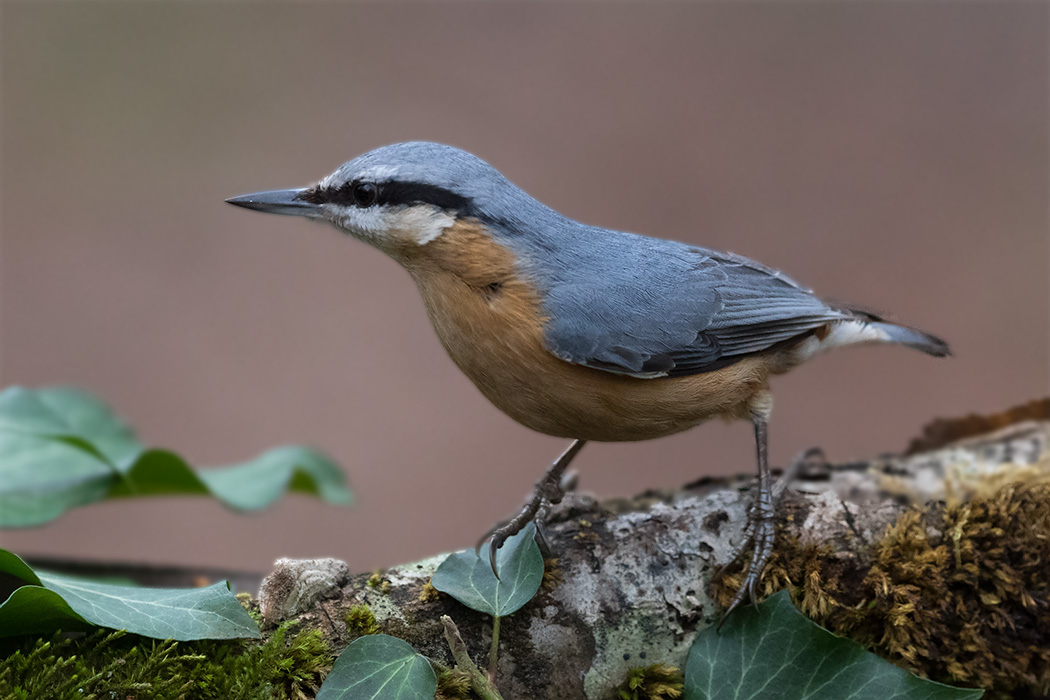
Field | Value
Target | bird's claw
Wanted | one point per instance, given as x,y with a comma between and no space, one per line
761,535
541,539
515,525
549,492
494,545
499,534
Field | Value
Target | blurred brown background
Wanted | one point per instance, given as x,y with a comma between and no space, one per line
890,154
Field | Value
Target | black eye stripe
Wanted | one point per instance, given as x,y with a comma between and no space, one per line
393,193
419,193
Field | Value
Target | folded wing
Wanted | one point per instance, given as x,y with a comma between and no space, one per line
656,308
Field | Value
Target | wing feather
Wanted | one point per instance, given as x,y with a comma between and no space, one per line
678,310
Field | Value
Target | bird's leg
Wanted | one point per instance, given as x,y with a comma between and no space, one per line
760,518
548,492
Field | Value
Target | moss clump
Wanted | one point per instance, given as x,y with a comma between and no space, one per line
453,684
552,575
379,583
360,620
251,606
585,533
428,593
107,664
295,670
655,682
959,594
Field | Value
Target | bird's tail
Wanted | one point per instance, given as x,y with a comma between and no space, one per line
913,338
905,335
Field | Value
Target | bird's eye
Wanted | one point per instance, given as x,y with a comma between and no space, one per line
365,194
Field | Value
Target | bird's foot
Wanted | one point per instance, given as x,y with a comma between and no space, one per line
549,492
760,532
759,535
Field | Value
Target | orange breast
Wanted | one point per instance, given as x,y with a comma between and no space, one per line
490,322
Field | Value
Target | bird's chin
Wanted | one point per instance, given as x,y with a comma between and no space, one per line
373,238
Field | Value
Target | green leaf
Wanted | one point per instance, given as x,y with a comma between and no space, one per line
70,414
12,565
773,651
41,478
379,667
61,448
468,578
246,486
42,603
36,610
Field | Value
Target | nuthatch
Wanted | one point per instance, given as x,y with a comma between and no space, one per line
577,331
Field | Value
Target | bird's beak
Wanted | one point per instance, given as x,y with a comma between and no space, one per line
285,202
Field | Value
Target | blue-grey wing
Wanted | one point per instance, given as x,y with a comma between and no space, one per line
669,310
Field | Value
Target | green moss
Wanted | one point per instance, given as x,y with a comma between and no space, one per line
654,682
552,576
454,684
297,668
959,594
251,606
360,620
107,664
428,593
379,583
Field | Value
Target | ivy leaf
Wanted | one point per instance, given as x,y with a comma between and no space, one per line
377,667
249,485
773,651
70,414
42,603
61,448
469,579
41,478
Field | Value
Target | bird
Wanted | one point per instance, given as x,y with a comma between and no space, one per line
583,332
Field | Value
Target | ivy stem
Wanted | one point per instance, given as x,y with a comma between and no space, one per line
481,685
494,650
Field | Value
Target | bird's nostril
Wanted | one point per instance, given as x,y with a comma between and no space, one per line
313,195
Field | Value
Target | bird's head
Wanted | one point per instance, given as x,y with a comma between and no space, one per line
398,196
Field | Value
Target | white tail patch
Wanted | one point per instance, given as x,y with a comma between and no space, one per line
848,332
